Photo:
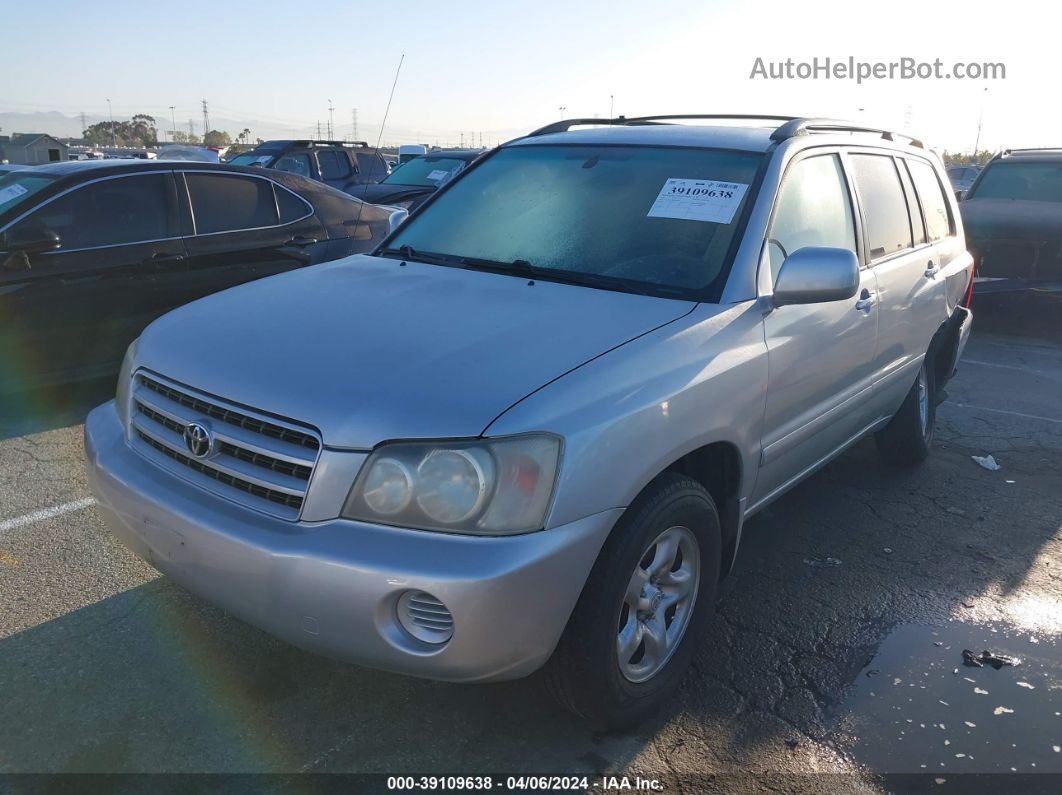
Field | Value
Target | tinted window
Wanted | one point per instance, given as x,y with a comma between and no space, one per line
292,208
333,165
610,212
371,165
226,202
295,163
917,225
931,194
112,212
888,223
813,210
1040,182
426,171
17,187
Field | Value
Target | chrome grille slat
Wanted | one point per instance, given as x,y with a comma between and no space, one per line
255,460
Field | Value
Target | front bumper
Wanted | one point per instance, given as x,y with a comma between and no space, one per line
333,587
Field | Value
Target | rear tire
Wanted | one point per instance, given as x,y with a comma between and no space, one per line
905,441
632,633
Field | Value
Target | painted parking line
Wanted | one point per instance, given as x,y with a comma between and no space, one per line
1004,411
1019,368
45,513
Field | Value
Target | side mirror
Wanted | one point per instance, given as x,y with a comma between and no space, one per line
816,275
31,240
395,219
960,195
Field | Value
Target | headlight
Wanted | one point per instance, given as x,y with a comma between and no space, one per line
485,486
125,376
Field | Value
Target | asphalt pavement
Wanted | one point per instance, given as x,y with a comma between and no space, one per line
833,663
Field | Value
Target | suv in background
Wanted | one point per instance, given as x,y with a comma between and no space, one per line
529,429
1013,219
341,164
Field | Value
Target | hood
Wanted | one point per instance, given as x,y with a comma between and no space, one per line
1011,218
366,349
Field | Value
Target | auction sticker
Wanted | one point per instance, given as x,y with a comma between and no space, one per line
11,192
698,200
438,174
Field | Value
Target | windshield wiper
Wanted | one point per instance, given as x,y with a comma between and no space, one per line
429,257
517,267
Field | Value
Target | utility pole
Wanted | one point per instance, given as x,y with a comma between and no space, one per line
611,105
562,108
318,129
980,120
111,114
84,125
173,121
191,131
331,120
354,120
206,121
462,140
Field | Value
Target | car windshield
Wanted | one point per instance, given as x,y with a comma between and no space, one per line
636,218
426,171
18,186
253,159
1038,182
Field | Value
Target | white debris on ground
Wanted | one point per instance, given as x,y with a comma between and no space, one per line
988,462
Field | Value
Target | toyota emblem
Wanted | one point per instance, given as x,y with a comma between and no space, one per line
198,439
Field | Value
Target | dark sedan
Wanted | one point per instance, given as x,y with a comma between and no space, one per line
92,251
416,179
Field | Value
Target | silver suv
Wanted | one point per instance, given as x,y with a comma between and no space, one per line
527,430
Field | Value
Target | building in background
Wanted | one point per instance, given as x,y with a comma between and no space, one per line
31,149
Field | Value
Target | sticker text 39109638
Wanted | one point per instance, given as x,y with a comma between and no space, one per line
698,200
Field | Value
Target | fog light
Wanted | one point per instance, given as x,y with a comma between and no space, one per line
425,617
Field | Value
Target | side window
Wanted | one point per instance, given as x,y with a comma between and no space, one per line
918,226
884,205
333,165
228,202
132,209
934,205
813,210
295,163
371,165
291,207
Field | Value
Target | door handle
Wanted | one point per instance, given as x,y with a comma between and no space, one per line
159,259
931,270
867,299
300,241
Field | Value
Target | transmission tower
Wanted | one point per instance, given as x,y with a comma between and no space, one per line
206,120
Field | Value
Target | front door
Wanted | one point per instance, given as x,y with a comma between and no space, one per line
70,312
820,356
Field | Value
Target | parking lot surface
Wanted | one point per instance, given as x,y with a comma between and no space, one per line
836,646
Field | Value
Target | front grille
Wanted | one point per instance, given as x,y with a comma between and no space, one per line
425,617
261,462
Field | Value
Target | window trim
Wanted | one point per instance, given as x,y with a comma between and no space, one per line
217,172
944,192
86,183
846,182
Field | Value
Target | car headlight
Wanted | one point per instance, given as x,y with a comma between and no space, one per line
483,486
125,378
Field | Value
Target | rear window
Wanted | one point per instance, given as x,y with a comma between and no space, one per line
884,204
1038,182
633,216
229,203
333,165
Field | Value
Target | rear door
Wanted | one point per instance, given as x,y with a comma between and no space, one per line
336,168
820,355
906,265
242,227
71,312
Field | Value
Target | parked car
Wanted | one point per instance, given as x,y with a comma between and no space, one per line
7,168
92,251
407,152
198,154
529,428
962,177
418,178
340,164
1013,220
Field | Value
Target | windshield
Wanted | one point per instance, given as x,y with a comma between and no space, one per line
426,171
634,217
253,159
18,186
1038,182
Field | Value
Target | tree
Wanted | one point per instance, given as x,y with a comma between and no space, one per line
143,129
181,137
140,131
245,136
217,138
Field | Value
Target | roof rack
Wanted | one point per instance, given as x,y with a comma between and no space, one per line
791,126
315,142
796,127
1030,150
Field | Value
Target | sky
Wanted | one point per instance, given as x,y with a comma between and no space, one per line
497,69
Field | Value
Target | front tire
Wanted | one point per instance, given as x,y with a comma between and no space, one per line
634,629
906,439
